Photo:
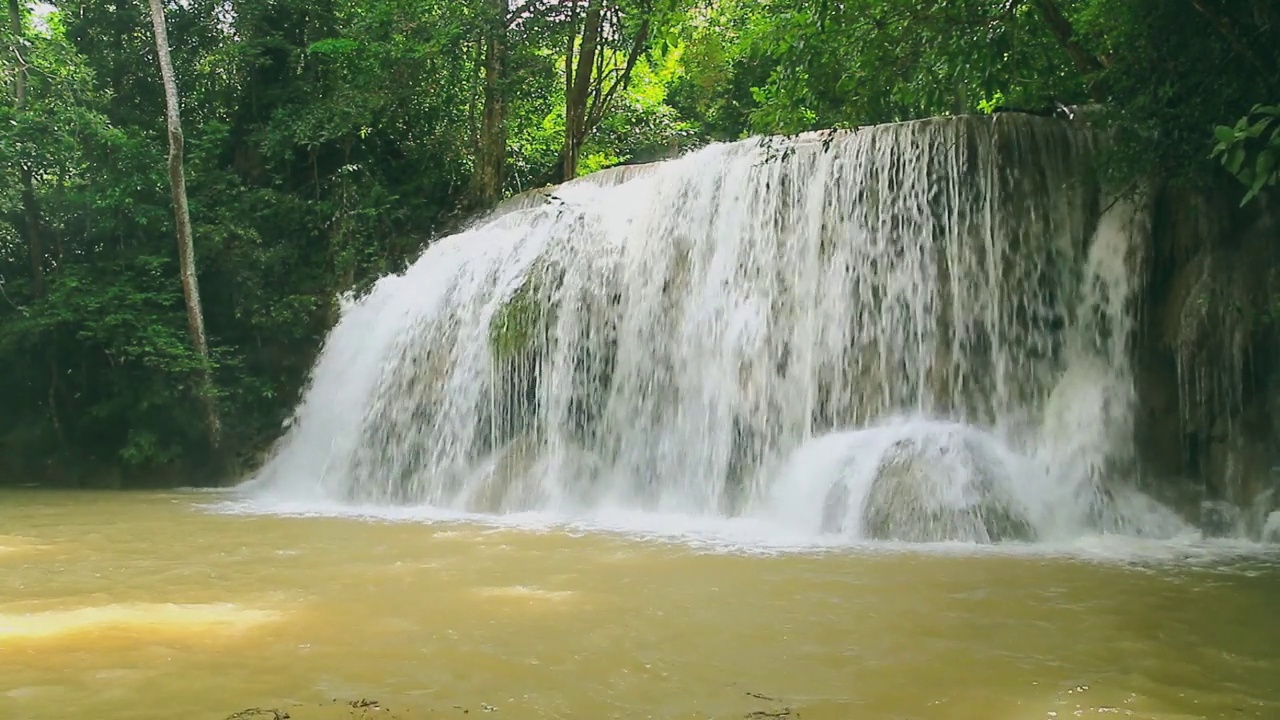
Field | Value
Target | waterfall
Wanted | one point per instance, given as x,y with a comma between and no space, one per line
916,331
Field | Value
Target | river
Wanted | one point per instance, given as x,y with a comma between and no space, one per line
185,606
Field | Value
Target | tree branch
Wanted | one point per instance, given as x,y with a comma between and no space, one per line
623,80
524,12
1087,63
30,205
1228,29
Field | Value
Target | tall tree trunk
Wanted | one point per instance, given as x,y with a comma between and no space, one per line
575,101
602,99
31,214
1087,63
182,219
491,153
30,209
562,164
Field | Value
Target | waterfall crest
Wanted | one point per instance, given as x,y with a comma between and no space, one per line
916,331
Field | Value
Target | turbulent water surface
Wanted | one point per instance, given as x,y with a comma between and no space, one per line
186,606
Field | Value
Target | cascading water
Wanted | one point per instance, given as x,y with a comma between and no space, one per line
915,331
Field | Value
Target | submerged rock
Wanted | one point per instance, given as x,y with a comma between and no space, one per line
508,482
1271,528
940,489
520,476
1255,517
1219,518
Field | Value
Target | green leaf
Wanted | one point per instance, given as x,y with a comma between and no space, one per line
1235,160
333,46
1265,168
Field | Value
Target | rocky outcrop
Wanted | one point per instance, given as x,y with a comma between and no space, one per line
522,343
509,480
1208,358
943,488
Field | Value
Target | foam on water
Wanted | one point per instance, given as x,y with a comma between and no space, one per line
756,536
912,332
204,620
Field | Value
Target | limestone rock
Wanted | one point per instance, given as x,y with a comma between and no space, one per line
1259,512
1218,518
1271,528
940,489
509,478
522,475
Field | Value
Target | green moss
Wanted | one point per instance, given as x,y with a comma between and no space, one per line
523,323
513,327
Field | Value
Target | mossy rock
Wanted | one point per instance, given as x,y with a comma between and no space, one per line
519,343
523,324
949,491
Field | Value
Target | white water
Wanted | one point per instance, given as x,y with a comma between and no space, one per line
763,331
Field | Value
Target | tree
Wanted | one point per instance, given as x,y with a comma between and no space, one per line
594,77
31,209
491,151
182,222
1250,150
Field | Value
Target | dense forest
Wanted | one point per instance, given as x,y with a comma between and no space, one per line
326,142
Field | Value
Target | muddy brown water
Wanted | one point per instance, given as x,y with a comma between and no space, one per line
152,605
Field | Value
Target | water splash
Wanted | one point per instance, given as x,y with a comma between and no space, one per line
916,331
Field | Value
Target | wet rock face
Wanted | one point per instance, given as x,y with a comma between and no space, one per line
1208,356
935,492
1271,530
509,480
1262,517
1218,518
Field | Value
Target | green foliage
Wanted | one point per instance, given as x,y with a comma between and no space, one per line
866,61
111,334
1250,150
1162,74
642,125
521,324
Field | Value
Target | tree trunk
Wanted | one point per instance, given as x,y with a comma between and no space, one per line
575,101
35,243
491,153
562,162
603,99
182,219
1087,63
30,209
